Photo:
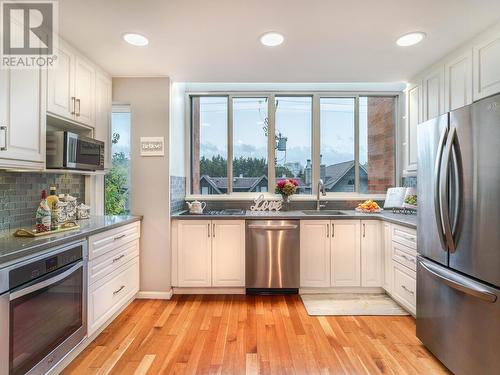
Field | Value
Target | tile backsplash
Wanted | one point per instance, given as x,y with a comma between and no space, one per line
20,194
177,193
410,181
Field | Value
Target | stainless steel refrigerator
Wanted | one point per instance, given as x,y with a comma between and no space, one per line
458,270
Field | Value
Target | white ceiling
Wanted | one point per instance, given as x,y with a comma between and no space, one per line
325,40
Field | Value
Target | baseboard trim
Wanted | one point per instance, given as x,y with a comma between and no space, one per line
209,290
367,290
155,295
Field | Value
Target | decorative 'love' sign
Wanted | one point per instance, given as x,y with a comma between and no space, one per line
262,205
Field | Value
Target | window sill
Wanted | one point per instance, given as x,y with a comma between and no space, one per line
268,196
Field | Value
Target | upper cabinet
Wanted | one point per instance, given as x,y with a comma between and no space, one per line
103,102
413,118
433,93
487,67
22,119
458,82
71,88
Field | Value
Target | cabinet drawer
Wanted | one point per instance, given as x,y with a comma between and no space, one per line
110,293
112,260
404,255
404,286
113,239
405,236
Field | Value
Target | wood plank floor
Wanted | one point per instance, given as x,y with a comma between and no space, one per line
251,334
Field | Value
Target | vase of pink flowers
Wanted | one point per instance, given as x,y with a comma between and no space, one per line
286,188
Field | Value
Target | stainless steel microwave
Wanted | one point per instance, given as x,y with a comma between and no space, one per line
67,150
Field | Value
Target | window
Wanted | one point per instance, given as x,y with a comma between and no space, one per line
209,145
293,145
337,144
377,122
349,142
117,180
250,128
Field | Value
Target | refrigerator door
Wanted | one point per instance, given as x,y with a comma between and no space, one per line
458,319
475,195
431,241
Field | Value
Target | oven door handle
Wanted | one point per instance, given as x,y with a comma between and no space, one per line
40,284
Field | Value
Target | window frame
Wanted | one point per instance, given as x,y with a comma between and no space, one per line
316,140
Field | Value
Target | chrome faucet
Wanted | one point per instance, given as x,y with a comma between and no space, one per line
321,188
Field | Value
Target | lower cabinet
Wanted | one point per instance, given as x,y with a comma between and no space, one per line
113,273
404,286
210,253
340,253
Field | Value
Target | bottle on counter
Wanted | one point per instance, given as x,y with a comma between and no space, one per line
43,214
53,203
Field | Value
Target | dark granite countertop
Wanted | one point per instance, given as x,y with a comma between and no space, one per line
409,221
13,249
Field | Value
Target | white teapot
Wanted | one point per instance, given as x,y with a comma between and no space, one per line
196,207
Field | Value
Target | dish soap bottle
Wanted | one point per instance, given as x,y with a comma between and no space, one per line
43,214
53,202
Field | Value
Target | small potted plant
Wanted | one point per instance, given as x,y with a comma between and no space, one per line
286,188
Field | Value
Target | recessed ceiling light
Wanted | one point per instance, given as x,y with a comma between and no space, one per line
135,39
410,39
272,39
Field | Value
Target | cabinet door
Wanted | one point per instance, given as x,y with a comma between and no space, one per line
194,253
372,267
228,253
413,118
22,118
84,92
487,68
102,130
345,260
458,82
433,94
315,253
387,242
61,99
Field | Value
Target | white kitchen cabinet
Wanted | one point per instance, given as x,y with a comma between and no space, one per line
387,246
433,93
315,253
84,91
486,67
210,253
413,118
346,267
103,100
372,258
458,82
22,118
194,253
404,286
228,253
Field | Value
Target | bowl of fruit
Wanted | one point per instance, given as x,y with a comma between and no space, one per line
368,206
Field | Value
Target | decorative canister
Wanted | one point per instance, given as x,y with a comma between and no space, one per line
70,208
82,211
61,212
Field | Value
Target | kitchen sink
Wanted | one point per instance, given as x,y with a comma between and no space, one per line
323,212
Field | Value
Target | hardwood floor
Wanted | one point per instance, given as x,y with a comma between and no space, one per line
251,334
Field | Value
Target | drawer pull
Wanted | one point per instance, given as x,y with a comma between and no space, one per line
118,290
119,237
408,290
118,258
409,259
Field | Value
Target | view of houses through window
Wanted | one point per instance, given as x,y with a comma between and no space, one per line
357,150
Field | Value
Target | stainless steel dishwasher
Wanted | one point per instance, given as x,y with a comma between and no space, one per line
272,256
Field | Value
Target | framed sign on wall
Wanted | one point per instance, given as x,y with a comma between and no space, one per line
152,146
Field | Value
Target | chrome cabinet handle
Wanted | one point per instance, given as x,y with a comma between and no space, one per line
208,229
3,144
408,290
118,290
327,230
333,230
79,104
73,105
118,258
437,189
408,258
119,237
364,230
213,230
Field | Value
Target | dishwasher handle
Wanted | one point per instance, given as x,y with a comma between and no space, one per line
273,227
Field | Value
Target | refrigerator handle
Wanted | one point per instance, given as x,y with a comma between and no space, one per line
458,282
444,193
457,171
437,179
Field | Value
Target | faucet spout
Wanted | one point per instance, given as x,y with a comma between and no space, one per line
321,189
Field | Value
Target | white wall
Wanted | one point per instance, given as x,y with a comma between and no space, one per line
149,100
177,130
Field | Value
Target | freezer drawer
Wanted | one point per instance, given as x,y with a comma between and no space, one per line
458,319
